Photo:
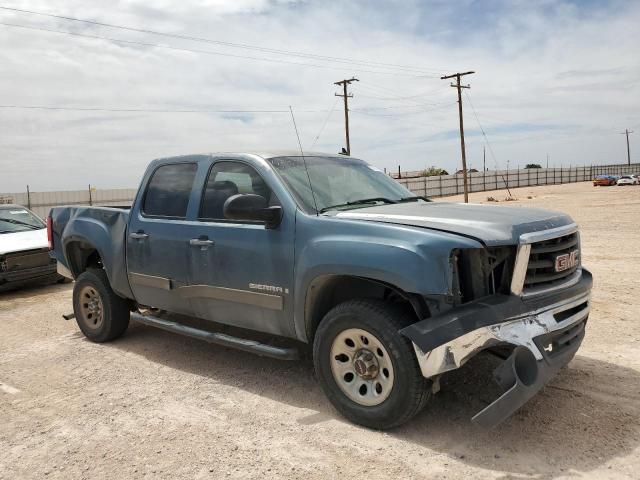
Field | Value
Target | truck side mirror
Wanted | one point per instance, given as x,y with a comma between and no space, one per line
252,207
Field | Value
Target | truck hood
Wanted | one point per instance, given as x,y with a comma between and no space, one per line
20,241
493,225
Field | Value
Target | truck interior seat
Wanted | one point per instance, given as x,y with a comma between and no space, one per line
260,188
215,195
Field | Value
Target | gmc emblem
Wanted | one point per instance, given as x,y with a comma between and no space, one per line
567,261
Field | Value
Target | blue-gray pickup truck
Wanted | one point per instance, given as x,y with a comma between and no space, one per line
284,254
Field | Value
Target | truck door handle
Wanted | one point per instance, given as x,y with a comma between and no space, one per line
201,242
138,235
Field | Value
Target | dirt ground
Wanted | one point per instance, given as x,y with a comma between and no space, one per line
157,405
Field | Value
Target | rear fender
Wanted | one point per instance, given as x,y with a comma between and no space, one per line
103,230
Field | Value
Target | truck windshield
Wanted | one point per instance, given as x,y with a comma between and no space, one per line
18,219
339,183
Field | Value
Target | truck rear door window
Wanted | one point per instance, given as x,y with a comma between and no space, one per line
169,190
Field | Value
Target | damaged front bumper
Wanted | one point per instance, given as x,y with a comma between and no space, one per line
546,332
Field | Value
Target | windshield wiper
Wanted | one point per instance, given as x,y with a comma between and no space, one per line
364,201
413,199
18,222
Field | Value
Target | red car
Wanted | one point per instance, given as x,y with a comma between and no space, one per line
604,181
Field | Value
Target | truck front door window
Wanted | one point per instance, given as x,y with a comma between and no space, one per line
227,179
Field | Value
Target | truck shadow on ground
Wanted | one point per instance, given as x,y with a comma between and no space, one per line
14,297
587,416
35,288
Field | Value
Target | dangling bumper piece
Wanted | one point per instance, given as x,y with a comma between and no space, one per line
546,332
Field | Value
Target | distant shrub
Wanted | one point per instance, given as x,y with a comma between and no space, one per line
433,172
533,165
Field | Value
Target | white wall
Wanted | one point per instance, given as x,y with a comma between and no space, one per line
41,202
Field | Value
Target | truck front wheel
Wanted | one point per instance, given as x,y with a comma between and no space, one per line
366,368
101,314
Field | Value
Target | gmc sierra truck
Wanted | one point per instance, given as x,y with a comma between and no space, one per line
281,254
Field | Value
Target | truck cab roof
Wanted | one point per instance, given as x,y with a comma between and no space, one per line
264,154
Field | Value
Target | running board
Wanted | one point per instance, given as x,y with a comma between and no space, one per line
218,338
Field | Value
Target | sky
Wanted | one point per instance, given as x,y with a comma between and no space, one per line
558,78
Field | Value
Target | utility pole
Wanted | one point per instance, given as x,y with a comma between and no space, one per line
547,160
464,155
484,158
627,132
346,96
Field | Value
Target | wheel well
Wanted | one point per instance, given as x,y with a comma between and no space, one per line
82,256
327,291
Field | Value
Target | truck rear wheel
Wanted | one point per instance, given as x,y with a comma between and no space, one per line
366,368
100,313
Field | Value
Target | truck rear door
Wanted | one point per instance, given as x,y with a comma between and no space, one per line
157,243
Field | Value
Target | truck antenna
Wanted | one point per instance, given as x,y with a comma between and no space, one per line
313,195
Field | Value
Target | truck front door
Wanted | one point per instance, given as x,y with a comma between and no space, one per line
241,273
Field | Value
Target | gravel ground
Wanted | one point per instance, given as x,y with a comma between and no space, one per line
157,405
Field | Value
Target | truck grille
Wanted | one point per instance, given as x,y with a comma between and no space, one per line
553,261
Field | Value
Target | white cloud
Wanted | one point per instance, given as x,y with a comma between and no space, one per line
551,77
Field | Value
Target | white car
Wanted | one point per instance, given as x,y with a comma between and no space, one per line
628,180
24,248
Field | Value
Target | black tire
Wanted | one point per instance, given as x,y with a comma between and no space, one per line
410,390
114,309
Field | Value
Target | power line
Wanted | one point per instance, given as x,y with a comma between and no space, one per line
409,97
326,120
191,50
415,124
394,107
364,111
486,139
408,68
165,110
141,110
404,100
382,90
390,94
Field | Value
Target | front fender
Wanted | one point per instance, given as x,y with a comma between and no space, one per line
411,259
